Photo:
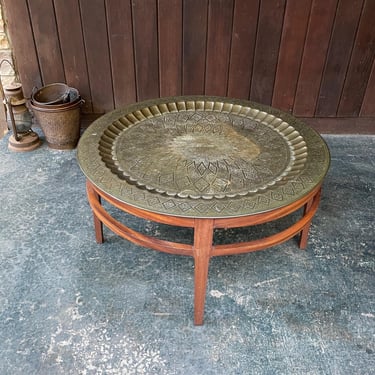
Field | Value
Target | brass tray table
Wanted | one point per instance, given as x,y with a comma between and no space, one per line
204,163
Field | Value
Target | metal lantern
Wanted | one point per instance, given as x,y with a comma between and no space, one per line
18,117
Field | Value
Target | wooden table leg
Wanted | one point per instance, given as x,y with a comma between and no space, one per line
305,231
98,225
203,237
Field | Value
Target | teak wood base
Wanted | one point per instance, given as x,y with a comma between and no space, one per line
202,248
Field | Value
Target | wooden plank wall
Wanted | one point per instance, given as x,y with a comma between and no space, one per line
312,58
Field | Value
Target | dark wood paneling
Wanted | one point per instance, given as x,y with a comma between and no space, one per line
170,47
313,58
220,16
245,21
46,41
120,36
22,41
146,48
270,24
291,48
342,39
360,64
73,48
94,25
194,46
312,66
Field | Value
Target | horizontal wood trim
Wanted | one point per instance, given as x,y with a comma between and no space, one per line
341,125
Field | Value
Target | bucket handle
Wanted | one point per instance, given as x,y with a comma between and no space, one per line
33,91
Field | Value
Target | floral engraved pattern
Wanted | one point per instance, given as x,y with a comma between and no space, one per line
203,157
203,154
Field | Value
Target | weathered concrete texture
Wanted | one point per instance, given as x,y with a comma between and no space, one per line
71,306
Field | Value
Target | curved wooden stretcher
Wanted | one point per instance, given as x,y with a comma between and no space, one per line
203,248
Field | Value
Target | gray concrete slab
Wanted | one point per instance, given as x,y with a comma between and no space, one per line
71,306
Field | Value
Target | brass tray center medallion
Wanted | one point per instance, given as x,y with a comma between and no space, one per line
206,148
205,154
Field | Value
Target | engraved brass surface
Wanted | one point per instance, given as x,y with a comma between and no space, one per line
203,156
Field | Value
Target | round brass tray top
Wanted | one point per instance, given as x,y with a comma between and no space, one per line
203,156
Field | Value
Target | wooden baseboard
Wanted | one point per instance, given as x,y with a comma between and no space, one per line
342,125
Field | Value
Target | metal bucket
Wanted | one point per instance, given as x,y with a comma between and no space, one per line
54,93
72,98
61,126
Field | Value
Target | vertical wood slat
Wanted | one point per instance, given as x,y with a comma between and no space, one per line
170,47
245,21
146,48
368,105
291,49
46,41
120,38
314,56
22,41
97,52
270,22
73,49
360,65
194,46
342,39
218,46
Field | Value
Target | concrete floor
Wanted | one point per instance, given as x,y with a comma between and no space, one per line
71,306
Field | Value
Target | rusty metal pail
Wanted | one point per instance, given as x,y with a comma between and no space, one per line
72,98
54,93
61,126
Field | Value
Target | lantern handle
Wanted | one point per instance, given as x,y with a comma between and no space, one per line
16,76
